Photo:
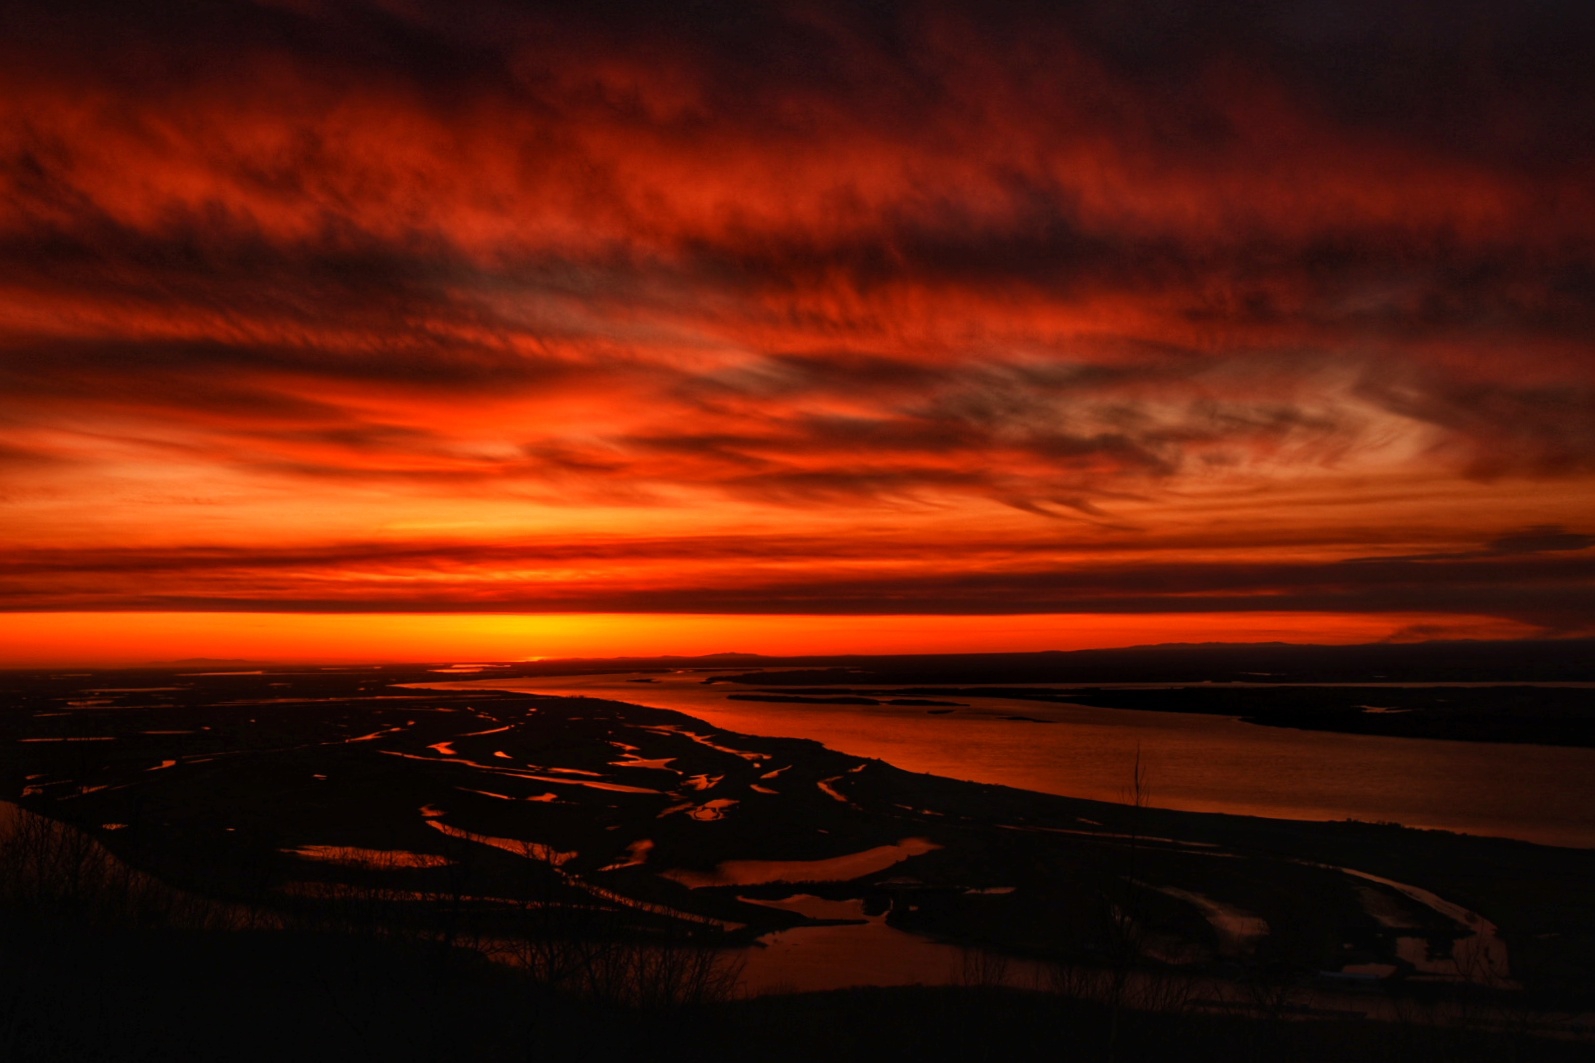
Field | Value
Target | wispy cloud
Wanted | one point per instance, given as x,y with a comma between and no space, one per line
333,266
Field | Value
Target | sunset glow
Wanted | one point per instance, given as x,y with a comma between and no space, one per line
83,639
345,332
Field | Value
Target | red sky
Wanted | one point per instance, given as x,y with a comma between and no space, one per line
478,329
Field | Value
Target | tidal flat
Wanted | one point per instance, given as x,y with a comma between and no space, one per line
636,857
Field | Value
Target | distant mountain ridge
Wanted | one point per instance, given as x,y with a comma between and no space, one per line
1535,660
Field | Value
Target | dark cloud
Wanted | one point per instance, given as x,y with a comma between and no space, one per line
886,262
1540,539
16,456
1553,593
1500,427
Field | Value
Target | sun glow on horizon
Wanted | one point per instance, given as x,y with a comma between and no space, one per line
588,314
135,639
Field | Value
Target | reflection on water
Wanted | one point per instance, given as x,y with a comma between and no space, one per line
1478,955
712,810
518,846
371,859
831,869
862,950
848,910
1238,930
636,855
1194,762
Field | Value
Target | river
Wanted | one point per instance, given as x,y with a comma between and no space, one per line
1190,761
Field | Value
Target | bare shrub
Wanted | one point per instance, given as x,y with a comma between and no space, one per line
1078,981
51,870
982,968
569,936
662,974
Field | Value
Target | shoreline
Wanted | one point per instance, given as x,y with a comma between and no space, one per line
581,800
897,735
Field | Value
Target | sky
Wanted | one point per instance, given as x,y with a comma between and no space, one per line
484,329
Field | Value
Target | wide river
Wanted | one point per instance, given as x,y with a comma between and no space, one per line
1199,763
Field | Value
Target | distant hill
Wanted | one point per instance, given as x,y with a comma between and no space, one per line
1533,660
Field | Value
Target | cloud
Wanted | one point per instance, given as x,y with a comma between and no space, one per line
1549,590
1540,539
902,263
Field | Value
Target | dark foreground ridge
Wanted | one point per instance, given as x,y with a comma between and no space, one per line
240,865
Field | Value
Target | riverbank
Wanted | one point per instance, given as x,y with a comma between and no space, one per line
1191,761
364,794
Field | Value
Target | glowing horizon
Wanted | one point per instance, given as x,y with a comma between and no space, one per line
940,312
77,639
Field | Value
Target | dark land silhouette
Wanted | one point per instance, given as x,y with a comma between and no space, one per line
340,863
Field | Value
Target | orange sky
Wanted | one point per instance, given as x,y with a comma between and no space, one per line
392,330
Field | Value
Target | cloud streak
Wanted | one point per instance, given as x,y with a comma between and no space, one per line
1541,577
279,277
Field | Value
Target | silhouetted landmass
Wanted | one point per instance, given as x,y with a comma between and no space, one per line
142,996
1496,662
1562,716
1275,691
132,996
1508,711
1548,715
227,865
